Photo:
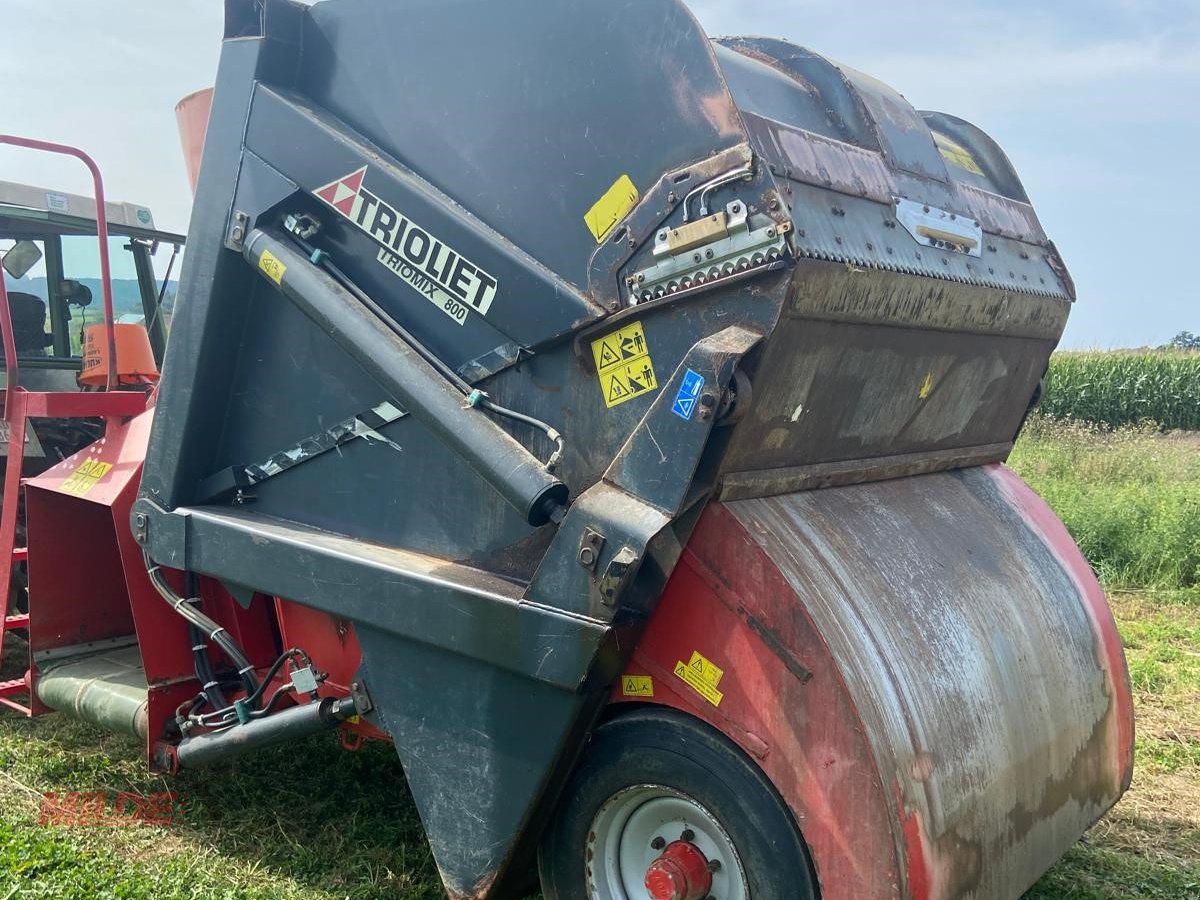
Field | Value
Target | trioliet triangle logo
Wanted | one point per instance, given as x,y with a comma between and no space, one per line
342,193
429,265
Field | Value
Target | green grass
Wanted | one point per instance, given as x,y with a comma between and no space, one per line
1130,497
308,821
1125,388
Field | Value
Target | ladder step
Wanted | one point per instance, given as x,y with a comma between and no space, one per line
14,705
20,554
19,621
16,686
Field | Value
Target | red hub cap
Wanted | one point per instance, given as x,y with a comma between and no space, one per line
681,873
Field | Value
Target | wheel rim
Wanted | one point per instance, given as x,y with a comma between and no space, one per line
631,831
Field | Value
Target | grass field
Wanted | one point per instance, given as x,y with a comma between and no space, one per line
312,821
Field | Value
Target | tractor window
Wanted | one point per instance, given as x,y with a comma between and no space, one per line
81,297
27,294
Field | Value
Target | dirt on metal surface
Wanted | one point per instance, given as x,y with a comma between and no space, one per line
990,684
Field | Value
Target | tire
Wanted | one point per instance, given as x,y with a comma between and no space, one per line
590,853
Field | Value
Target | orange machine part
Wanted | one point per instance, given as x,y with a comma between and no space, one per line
191,114
135,358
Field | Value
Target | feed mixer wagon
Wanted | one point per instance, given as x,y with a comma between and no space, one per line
613,419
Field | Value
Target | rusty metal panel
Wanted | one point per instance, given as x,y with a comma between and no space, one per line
980,658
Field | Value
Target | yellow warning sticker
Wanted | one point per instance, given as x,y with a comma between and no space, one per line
611,208
271,266
637,685
623,364
702,675
85,476
926,386
954,152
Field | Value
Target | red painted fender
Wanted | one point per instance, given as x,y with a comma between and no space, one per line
925,668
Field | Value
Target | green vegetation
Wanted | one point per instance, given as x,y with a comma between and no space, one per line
1125,388
307,821
1130,497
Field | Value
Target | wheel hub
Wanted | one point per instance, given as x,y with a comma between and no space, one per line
681,873
652,842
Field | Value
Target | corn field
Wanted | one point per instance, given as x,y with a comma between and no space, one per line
1125,387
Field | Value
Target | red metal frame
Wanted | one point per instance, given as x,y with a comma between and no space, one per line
20,404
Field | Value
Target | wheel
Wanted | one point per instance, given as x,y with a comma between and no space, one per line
663,807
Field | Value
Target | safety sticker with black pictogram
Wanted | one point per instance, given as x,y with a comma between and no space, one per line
623,364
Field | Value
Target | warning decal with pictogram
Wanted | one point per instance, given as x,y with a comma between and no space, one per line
623,364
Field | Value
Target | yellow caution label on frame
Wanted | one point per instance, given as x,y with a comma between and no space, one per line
702,675
85,477
611,208
637,685
271,266
623,364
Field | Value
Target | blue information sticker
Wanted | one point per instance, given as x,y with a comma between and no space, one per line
689,395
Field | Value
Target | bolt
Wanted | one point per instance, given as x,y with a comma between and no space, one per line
688,835
773,204
707,400
671,198
658,843
697,257
708,254
714,865
587,556
770,232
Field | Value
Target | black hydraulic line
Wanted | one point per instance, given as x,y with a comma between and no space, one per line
286,725
207,626
250,701
515,473
322,259
200,661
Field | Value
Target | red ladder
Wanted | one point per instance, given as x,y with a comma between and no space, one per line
20,404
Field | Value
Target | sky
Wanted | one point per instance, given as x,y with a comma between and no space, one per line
1097,102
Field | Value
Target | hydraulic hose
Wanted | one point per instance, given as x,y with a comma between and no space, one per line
214,632
201,663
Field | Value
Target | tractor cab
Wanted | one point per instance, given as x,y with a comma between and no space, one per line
85,303
50,255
